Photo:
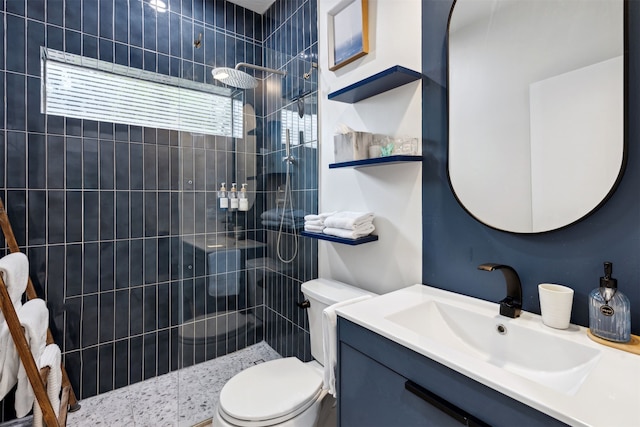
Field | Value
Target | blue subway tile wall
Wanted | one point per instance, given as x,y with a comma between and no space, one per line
290,44
114,217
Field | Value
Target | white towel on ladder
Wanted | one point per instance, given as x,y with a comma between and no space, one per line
330,342
14,269
9,361
51,358
34,318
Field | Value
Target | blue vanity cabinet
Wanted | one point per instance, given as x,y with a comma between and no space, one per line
381,383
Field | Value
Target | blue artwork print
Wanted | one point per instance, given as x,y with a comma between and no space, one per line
348,37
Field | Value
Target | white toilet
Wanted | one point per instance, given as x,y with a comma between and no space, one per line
285,392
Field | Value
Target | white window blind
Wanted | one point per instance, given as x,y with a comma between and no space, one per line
238,116
80,88
305,127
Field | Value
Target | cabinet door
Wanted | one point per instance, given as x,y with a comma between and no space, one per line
374,395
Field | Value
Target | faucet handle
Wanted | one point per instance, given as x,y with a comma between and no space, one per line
510,308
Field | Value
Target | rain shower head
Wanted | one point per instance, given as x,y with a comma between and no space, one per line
239,79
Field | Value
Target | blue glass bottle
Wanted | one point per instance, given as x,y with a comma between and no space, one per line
609,310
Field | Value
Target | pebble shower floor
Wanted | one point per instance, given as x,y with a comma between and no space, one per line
181,398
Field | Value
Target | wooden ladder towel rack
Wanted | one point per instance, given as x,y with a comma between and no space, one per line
10,239
36,378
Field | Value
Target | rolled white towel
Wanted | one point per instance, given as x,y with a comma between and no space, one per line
34,318
348,220
51,358
14,269
314,228
320,216
350,234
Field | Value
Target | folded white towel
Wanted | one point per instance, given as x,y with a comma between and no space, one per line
317,222
320,216
348,220
350,234
51,358
14,269
330,342
314,228
34,318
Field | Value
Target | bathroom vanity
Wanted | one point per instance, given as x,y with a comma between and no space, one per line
424,356
385,384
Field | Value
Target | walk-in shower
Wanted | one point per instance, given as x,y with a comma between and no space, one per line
241,80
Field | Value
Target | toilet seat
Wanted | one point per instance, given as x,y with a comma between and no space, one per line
270,393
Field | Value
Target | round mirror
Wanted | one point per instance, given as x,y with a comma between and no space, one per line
536,109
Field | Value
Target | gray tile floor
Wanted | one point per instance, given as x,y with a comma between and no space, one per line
182,398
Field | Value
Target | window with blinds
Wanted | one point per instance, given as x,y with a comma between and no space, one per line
302,129
85,88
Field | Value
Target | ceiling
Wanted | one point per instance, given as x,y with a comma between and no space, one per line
259,6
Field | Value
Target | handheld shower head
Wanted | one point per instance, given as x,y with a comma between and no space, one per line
239,79
288,158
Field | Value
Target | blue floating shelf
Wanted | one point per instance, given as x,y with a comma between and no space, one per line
376,161
388,79
351,242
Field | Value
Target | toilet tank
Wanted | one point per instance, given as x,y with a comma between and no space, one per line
322,293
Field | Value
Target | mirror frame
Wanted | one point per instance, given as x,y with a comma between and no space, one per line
625,142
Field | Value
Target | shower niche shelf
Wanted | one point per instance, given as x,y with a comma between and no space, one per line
350,242
376,161
376,84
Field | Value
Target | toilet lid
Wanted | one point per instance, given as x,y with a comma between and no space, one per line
271,390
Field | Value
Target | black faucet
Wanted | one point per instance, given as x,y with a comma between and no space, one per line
511,306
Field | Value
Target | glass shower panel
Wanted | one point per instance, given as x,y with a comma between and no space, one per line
220,307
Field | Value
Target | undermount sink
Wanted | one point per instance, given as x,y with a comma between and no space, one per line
476,332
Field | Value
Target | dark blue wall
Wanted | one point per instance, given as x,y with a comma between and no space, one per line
454,243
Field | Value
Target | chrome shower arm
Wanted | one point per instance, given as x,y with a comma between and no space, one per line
259,68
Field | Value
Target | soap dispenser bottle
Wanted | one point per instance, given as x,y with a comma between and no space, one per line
609,310
233,197
244,202
222,196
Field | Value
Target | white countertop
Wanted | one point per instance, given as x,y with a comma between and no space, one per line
608,397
